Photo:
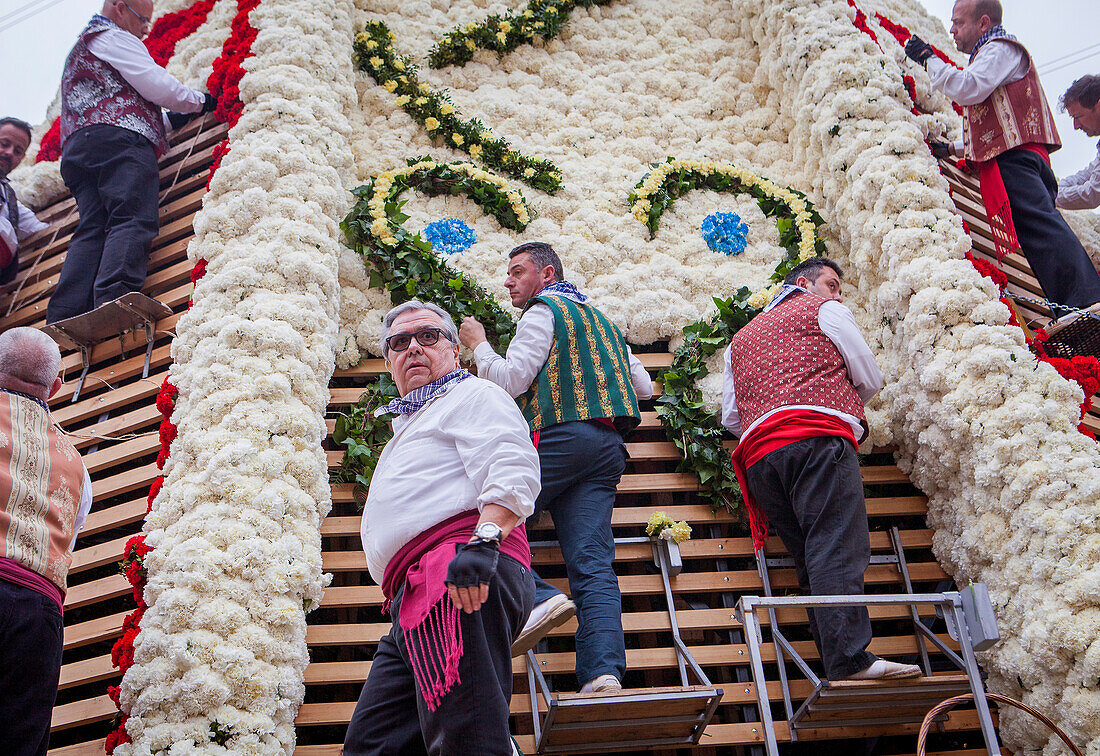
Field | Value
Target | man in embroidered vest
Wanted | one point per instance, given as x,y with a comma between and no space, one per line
112,133
45,494
1009,133
1081,191
796,379
17,222
443,535
578,386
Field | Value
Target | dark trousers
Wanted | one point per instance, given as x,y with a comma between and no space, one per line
112,173
1056,256
582,463
391,718
812,494
30,665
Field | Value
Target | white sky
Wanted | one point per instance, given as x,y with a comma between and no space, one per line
33,51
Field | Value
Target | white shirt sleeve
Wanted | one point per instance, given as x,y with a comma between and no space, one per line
28,222
997,63
527,352
639,377
127,55
494,443
730,417
84,508
838,323
1081,191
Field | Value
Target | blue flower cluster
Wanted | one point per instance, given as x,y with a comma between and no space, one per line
725,233
449,236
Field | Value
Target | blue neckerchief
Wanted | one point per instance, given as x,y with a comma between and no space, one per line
782,294
418,397
34,399
565,289
997,32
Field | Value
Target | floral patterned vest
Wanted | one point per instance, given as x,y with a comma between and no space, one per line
783,358
93,92
1015,114
41,480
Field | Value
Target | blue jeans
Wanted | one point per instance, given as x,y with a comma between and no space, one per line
581,466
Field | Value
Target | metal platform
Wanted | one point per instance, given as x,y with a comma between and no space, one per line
129,312
631,719
868,703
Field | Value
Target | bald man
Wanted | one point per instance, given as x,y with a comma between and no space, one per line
112,133
45,494
1009,132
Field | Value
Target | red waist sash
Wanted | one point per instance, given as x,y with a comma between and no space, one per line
430,622
775,432
995,199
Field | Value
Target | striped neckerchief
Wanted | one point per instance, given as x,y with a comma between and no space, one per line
997,32
566,289
418,397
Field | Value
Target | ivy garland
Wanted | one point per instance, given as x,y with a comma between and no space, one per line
363,435
795,217
504,33
375,54
687,422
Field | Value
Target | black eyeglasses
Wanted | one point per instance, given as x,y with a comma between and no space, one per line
399,342
141,18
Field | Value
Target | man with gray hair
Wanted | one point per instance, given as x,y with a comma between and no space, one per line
45,494
443,535
1081,191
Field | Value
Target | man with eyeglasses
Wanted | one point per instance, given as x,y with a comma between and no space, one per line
112,133
578,386
443,535
17,222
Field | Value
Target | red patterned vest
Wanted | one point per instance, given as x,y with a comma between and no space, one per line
41,480
1015,114
93,92
783,358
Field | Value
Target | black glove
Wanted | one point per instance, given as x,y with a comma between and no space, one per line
178,119
474,564
210,102
941,150
919,50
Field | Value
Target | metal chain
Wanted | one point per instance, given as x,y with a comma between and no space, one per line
1051,305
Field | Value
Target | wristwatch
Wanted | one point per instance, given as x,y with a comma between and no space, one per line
488,532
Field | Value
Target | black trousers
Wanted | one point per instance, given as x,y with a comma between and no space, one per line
1054,252
30,665
112,173
391,718
812,493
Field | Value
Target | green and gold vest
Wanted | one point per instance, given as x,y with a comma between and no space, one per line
586,376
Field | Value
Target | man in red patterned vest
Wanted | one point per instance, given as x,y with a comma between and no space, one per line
1009,132
112,133
797,377
45,494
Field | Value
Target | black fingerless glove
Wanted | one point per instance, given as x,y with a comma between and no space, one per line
178,120
474,564
919,50
941,150
209,103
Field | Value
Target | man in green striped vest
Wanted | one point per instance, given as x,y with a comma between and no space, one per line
578,385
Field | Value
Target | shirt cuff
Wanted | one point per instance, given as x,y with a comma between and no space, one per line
484,351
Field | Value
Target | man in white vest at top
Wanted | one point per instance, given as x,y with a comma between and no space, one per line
112,133
17,222
1009,133
45,494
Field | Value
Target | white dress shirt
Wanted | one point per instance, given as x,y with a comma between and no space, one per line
462,450
529,350
838,323
1081,191
84,508
28,222
997,63
127,55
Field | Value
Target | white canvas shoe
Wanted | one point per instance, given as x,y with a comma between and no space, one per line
881,669
553,612
602,684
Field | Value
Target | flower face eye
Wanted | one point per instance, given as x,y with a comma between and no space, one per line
450,236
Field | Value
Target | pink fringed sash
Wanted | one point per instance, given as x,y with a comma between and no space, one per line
427,617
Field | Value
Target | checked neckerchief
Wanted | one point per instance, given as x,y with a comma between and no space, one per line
418,397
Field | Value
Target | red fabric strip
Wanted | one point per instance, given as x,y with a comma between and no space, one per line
997,207
16,573
779,430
